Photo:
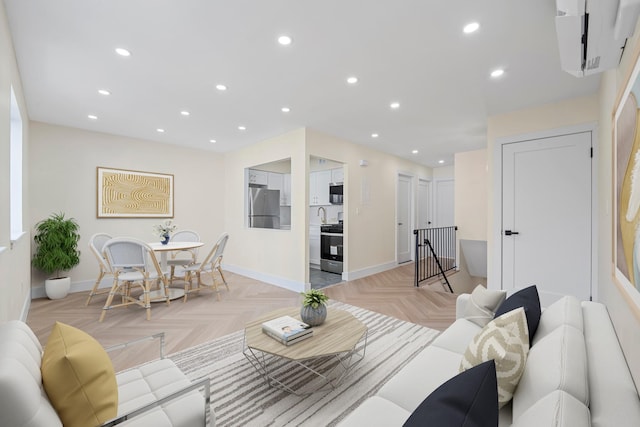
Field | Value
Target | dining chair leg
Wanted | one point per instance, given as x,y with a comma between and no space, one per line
146,298
107,304
95,287
223,279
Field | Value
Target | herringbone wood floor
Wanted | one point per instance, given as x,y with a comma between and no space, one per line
202,318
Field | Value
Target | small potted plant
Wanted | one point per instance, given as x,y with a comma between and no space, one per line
56,251
314,307
164,230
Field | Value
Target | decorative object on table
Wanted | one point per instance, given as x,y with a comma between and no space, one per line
314,310
56,251
287,330
134,194
164,230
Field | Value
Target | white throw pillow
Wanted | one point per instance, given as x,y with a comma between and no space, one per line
505,340
482,305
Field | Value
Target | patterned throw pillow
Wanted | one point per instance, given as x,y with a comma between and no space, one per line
506,341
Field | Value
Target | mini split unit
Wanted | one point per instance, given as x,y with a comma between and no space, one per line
592,34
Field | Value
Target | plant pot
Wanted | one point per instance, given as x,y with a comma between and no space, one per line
57,288
313,316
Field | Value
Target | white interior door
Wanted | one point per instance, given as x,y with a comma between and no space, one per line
403,240
547,216
445,203
424,204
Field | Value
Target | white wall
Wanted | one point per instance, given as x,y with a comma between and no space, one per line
471,194
14,260
63,163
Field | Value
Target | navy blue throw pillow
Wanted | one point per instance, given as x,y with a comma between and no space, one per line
470,399
529,299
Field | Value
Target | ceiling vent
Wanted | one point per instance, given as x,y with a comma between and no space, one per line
592,34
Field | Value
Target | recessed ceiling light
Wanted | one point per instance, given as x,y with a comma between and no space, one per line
213,141
104,92
285,109
414,152
221,87
92,117
374,135
122,52
497,73
285,40
352,80
470,28
441,161
185,113
160,130
242,127
394,105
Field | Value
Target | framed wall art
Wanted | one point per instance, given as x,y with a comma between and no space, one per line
134,194
626,191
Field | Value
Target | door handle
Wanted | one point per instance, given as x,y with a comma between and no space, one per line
399,223
509,232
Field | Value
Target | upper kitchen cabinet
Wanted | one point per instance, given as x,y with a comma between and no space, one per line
337,175
319,188
258,177
286,190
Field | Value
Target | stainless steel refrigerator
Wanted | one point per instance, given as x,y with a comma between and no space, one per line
264,208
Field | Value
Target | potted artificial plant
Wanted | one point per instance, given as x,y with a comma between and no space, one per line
56,251
314,307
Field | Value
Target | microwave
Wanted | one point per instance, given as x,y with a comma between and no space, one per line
335,193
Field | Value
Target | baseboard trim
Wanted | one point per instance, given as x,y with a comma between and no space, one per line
281,282
359,274
82,286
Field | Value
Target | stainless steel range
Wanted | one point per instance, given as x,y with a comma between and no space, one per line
331,248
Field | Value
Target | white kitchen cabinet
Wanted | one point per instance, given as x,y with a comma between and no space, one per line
319,188
285,196
258,177
314,245
337,175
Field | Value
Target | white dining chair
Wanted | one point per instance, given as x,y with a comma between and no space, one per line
210,264
96,244
183,257
133,263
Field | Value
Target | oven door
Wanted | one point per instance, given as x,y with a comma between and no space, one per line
331,246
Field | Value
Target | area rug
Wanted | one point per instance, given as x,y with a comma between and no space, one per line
241,397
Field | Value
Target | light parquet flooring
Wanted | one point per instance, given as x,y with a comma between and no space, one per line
203,318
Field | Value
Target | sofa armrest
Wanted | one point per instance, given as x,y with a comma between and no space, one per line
461,305
158,336
204,383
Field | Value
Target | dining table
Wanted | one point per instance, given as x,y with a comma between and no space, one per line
164,249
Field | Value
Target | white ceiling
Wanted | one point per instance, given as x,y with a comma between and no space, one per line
410,51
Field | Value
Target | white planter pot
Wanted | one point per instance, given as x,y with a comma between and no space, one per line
57,288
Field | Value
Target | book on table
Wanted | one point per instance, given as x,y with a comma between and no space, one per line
287,330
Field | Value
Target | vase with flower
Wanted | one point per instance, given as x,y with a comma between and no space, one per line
164,230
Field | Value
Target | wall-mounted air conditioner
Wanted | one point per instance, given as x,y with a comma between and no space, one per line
592,34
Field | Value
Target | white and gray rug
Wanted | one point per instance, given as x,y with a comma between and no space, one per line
241,398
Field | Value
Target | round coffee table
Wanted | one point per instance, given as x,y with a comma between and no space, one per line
314,364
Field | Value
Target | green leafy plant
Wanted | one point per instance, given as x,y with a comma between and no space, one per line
56,245
314,298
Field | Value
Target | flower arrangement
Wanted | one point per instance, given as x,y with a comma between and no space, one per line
165,229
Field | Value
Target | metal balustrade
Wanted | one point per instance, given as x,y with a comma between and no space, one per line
435,253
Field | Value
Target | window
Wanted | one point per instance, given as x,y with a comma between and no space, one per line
15,166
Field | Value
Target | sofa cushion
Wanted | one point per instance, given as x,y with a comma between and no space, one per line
481,307
529,299
557,409
469,399
506,341
420,377
557,362
456,337
78,377
566,311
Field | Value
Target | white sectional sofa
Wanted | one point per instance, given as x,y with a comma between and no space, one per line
154,394
575,374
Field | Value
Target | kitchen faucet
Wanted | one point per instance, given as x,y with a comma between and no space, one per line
323,218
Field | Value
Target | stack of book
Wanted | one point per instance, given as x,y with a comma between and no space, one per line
287,330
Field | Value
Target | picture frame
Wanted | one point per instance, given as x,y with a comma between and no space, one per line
125,193
626,190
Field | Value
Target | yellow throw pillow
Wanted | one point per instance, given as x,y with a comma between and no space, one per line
505,340
78,377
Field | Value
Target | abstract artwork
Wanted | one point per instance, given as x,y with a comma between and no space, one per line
134,194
